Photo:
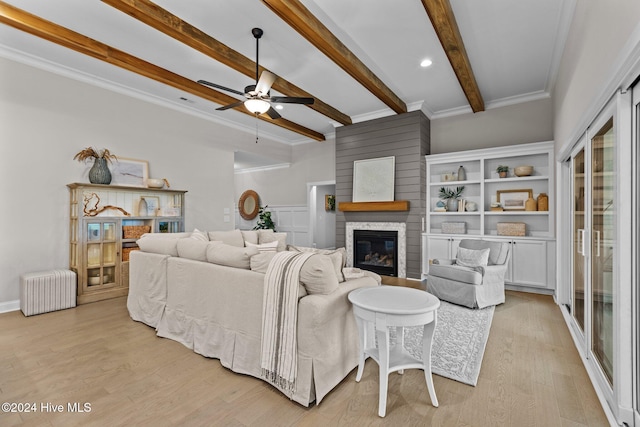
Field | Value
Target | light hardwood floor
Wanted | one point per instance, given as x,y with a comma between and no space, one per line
531,376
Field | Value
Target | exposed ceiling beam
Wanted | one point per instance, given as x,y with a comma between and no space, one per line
304,22
164,21
444,22
52,32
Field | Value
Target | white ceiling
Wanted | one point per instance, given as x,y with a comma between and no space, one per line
514,48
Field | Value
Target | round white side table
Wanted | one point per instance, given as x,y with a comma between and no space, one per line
399,307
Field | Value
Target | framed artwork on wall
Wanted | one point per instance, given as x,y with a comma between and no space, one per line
374,179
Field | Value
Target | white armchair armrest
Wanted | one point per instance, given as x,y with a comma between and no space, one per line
443,261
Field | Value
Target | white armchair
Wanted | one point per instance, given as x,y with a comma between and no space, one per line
475,282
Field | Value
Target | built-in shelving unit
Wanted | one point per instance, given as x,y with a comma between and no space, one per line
483,188
104,223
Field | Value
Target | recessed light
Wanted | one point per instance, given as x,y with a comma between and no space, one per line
279,107
426,63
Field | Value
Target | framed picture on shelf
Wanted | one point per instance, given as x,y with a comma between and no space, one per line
513,200
129,172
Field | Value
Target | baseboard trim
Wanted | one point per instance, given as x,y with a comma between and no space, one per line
8,306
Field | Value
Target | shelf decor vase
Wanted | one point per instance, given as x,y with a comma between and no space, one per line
452,205
462,174
99,172
531,204
543,202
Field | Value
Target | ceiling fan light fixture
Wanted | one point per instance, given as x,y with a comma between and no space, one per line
257,106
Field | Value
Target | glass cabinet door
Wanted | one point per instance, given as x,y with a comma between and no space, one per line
603,244
101,253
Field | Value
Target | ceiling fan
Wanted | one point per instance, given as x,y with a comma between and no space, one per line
258,100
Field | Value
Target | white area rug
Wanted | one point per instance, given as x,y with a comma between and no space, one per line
458,343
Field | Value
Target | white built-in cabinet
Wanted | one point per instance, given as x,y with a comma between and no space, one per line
532,263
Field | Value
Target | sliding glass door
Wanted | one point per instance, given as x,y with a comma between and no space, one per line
603,245
579,235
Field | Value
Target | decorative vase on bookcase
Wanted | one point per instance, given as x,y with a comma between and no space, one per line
452,205
99,172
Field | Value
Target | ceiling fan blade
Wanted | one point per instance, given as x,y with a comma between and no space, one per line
226,107
264,84
271,112
292,100
204,82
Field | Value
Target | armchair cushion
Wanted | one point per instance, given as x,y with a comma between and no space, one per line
472,257
457,273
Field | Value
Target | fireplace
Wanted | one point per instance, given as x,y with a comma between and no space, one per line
376,250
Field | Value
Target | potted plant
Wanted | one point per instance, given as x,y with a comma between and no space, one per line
99,172
264,222
502,171
451,196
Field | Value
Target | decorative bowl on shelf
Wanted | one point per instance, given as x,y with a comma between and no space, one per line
155,182
523,170
94,280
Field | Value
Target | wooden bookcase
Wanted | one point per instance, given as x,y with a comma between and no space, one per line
99,217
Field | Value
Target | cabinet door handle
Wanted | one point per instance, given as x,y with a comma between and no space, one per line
581,248
597,243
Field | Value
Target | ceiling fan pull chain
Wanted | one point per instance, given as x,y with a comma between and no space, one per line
256,114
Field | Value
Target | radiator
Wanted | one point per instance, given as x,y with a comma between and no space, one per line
47,291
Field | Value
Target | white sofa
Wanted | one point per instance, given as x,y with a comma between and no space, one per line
216,310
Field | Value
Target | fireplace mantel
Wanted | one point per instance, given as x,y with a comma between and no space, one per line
397,205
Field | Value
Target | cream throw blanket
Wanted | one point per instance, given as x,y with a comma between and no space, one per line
279,352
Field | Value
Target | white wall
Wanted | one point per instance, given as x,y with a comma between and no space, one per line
311,162
516,124
46,118
599,32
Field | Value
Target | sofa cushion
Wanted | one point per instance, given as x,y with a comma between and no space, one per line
231,237
318,276
268,236
338,257
153,244
472,257
250,236
229,255
456,273
193,249
264,247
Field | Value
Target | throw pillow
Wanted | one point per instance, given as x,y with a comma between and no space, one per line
260,262
317,275
268,236
199,235
338,257
250,236
472,258
264,247
231,256
193,249
231,237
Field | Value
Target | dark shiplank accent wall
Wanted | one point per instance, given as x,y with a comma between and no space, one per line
405,136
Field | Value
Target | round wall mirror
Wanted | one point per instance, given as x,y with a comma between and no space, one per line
249,205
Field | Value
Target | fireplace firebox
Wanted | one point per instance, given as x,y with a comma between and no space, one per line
376,250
